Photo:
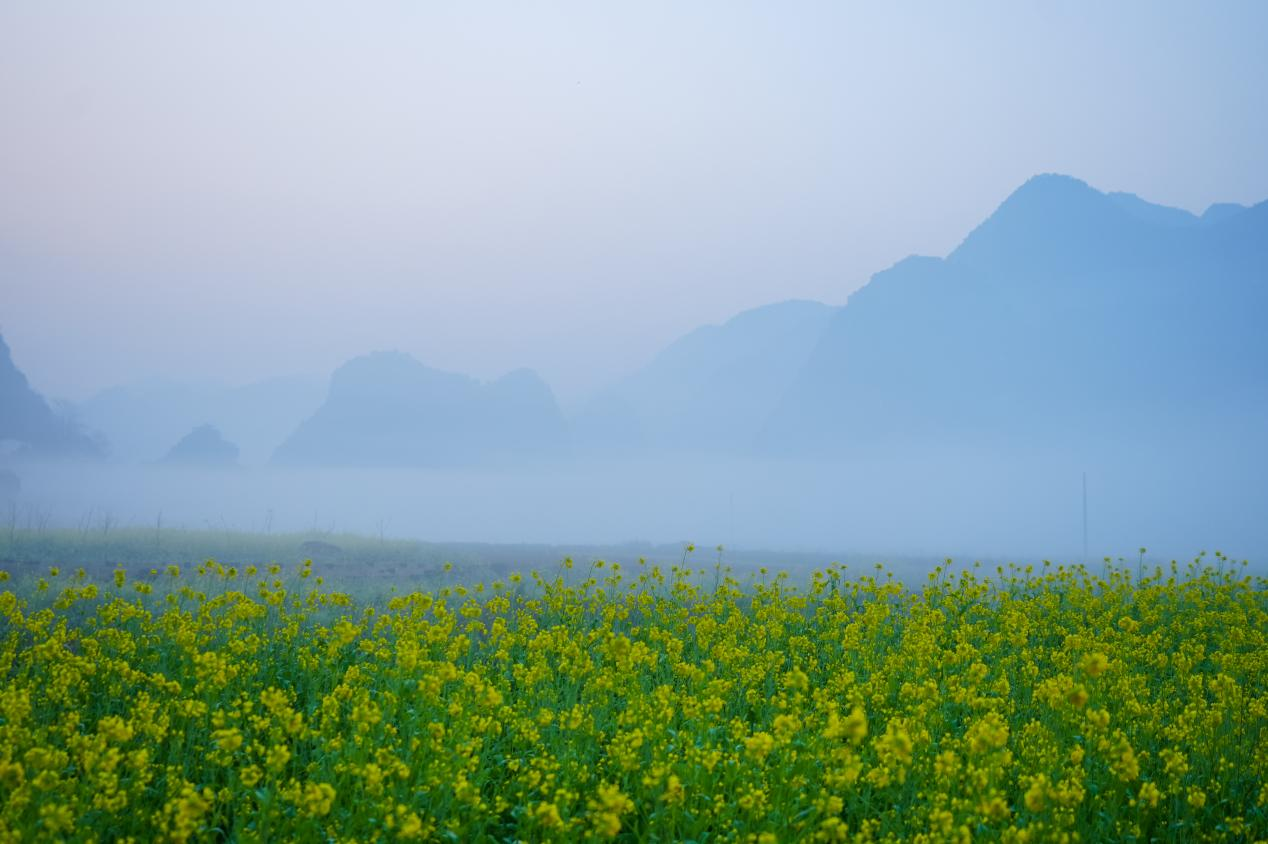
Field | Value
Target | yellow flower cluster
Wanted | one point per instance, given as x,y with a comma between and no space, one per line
218,704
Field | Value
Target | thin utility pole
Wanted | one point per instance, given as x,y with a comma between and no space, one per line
730,540
1085,519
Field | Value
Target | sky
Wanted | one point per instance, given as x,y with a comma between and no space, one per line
239,190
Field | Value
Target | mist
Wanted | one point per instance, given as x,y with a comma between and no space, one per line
845,280
967,505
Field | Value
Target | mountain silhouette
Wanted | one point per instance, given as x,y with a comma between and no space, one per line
1069,316
30,424
142,418
203,446
387,409
713,388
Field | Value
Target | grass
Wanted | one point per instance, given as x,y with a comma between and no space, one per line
362,562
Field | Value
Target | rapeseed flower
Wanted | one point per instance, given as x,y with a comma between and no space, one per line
1054,704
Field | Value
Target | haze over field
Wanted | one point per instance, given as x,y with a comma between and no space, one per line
730,274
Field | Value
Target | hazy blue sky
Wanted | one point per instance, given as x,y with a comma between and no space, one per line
233,191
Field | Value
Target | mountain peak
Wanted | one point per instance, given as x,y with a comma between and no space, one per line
1062,223
1052,185
204,445
372,377
26,418
388,409
1048,196
1221,211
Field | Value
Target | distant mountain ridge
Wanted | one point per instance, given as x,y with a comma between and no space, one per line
27,420
387,409
142,419
1069,314
203,446
713,388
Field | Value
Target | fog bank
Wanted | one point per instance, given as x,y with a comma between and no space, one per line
961,504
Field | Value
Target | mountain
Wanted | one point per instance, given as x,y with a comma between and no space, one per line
29,424
143,418
387,409
203,446
1069,317
710,390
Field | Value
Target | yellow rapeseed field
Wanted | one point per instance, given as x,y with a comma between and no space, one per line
1045,704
